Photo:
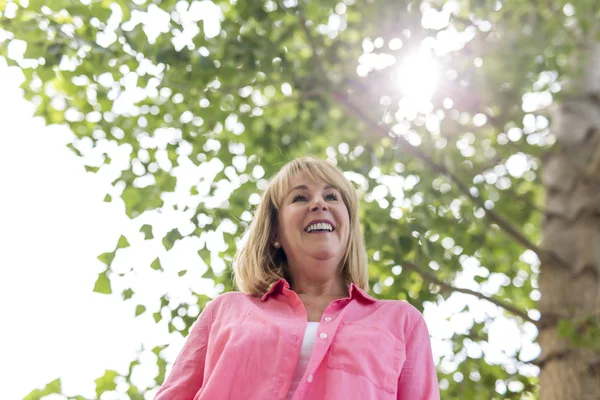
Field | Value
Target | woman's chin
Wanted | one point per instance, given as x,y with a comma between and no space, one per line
324,254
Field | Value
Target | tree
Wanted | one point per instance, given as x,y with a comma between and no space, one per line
450,183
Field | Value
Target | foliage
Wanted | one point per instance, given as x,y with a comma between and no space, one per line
444,181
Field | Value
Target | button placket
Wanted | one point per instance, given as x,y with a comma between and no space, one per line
320,350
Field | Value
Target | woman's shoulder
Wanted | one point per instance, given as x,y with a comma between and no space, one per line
228,300
402,306
400,314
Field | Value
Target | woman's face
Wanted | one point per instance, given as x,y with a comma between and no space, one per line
313,226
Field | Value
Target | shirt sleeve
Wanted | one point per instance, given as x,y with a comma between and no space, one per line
418,378
186,376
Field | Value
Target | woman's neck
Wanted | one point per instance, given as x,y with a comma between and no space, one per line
331,288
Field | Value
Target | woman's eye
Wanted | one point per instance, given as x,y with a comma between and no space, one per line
331,196
299,197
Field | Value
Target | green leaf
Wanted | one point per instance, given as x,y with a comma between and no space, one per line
127,294
47,74
157,316
102,284
182,273
140,309
146,229
131,366
90,168
167,182
107,258
162,368
123,243
74,149
157,349
169,240
107,198
156,265
54,387
106,382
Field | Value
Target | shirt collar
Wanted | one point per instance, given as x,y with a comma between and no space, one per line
353,291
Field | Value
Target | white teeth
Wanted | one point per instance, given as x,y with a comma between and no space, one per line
320,226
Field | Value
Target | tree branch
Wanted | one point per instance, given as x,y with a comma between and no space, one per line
415,151
449,288
311,41
302,96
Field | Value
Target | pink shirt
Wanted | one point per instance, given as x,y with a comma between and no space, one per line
245,347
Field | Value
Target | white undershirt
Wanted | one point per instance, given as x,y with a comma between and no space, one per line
305,352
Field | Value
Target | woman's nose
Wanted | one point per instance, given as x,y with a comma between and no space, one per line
319,203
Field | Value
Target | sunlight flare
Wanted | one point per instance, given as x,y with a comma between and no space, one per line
417,77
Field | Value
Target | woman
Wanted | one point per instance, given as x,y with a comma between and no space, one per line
303,326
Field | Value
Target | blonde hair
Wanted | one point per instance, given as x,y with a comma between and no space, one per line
257,264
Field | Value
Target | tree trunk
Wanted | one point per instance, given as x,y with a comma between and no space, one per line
570,276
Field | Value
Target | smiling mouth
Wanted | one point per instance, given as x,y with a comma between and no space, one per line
320,227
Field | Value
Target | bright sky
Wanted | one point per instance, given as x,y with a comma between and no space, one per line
54,223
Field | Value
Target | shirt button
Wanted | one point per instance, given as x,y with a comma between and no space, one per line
310,378
323,335
327,318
